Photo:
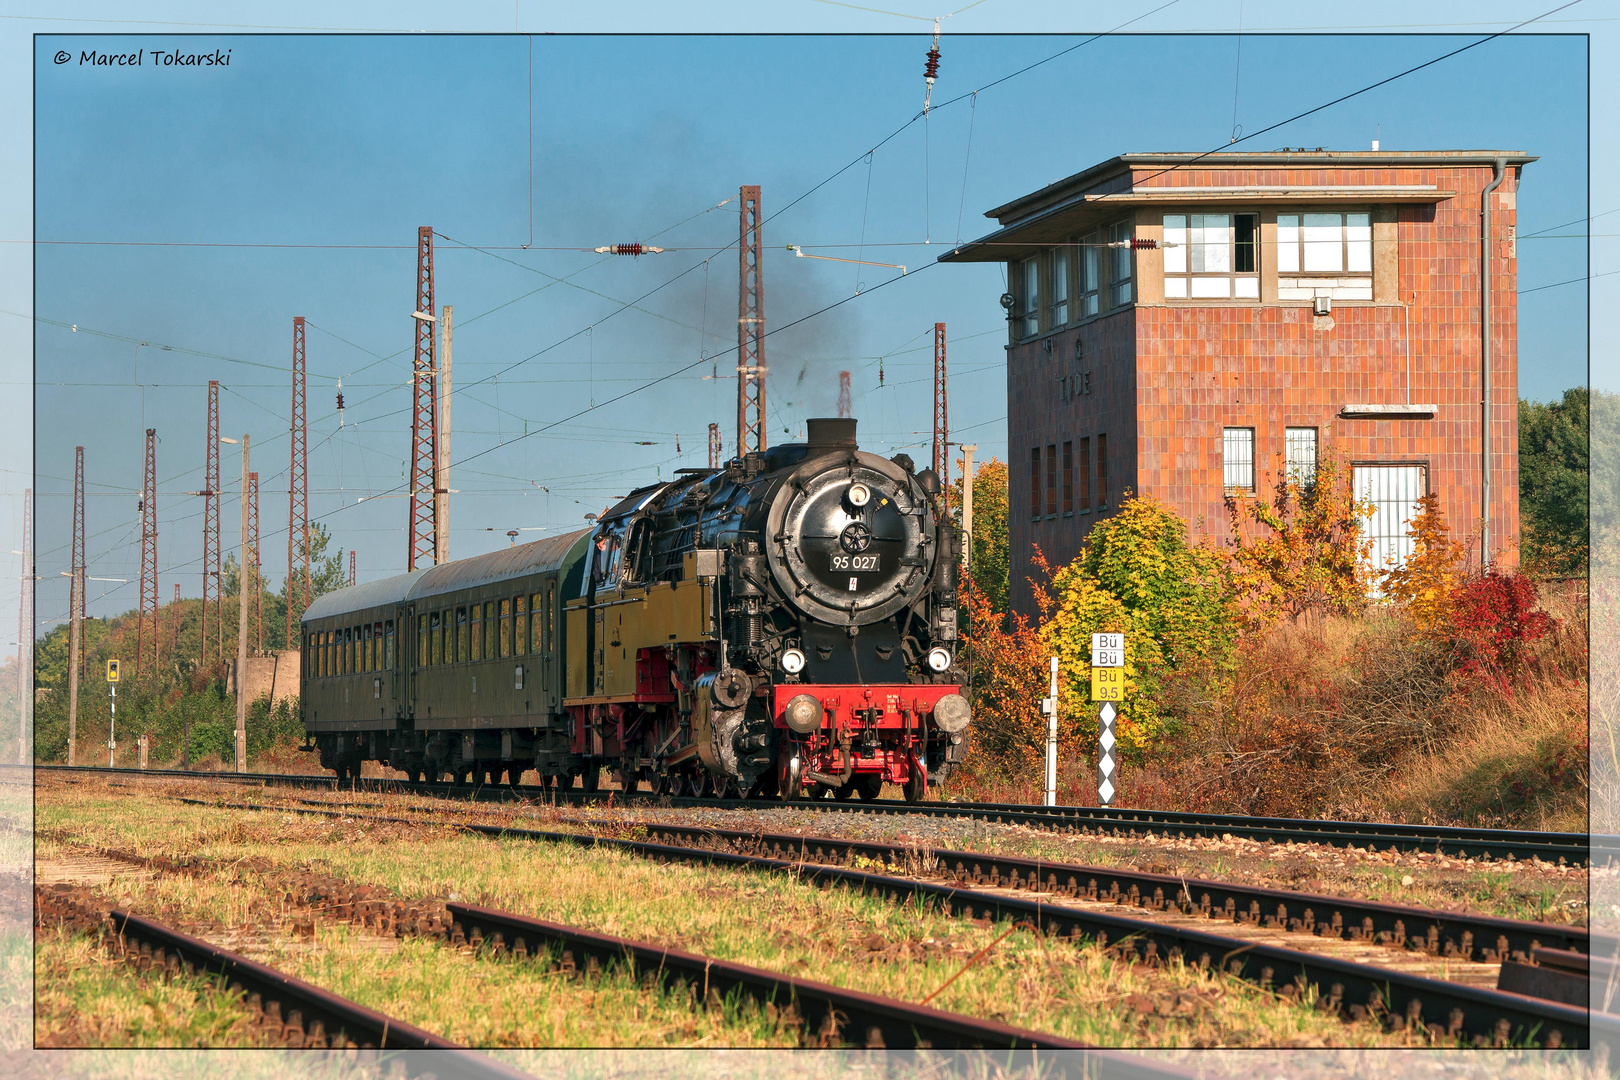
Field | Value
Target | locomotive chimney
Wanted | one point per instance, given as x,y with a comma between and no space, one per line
830,433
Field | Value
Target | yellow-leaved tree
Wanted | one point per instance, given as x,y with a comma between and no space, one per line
1137,575
1426,581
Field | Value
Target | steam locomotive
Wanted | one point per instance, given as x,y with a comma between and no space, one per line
782,626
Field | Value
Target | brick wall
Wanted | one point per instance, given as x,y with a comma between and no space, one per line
276,675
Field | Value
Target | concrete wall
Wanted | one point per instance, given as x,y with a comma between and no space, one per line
276,675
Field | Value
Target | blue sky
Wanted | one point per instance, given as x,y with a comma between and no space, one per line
358,140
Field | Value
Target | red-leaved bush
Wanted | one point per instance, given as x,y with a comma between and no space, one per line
1494,617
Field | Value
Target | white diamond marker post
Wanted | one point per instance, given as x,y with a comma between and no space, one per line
1107,686
1049,707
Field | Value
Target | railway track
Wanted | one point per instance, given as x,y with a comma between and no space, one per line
1567,848
290,1011
1399,999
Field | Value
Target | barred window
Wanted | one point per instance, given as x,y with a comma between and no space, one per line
1301,454
1237,457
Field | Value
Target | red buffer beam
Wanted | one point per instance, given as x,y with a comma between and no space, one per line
424,416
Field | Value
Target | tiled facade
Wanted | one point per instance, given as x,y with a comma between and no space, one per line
1161,379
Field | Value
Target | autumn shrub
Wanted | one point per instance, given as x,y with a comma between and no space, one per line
1301,552
1494,617
1138,575
1007,677
1425,582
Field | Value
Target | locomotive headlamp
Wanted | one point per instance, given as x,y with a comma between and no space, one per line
859,494
939,659
793,661
952,713
803,714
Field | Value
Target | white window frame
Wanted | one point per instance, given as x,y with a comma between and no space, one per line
1057,313
1122,267
1393,489
1233,440
1029,297
1347,275
1193,241
1088,263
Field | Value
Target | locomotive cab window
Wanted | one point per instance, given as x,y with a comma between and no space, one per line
638,553
605,562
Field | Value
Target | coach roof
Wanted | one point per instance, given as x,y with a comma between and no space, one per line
511,562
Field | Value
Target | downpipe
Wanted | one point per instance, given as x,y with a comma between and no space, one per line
1499,172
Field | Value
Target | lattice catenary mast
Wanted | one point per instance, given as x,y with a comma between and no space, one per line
751,366
844,405
942,423
149,578
297,489
255,578
715,450
210,567
76,605
424,416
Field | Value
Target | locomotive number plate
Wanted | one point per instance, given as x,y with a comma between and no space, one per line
856,562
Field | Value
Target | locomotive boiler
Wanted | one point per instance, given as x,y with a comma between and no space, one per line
782,626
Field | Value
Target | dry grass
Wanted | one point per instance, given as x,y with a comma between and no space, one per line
768,920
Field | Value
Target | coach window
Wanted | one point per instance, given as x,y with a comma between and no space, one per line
365,648
354,649
506,629
462,653
421,641
551,616
323,652
435,640
477,633
388,645
537,620
377,647
520,626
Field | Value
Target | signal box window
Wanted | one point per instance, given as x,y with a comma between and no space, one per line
1102,471
1210,257
1035,484
1085,474
1029,277
1090,256
1059,315
1324,255
1120,292
1237,458
1068,478
1051,480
